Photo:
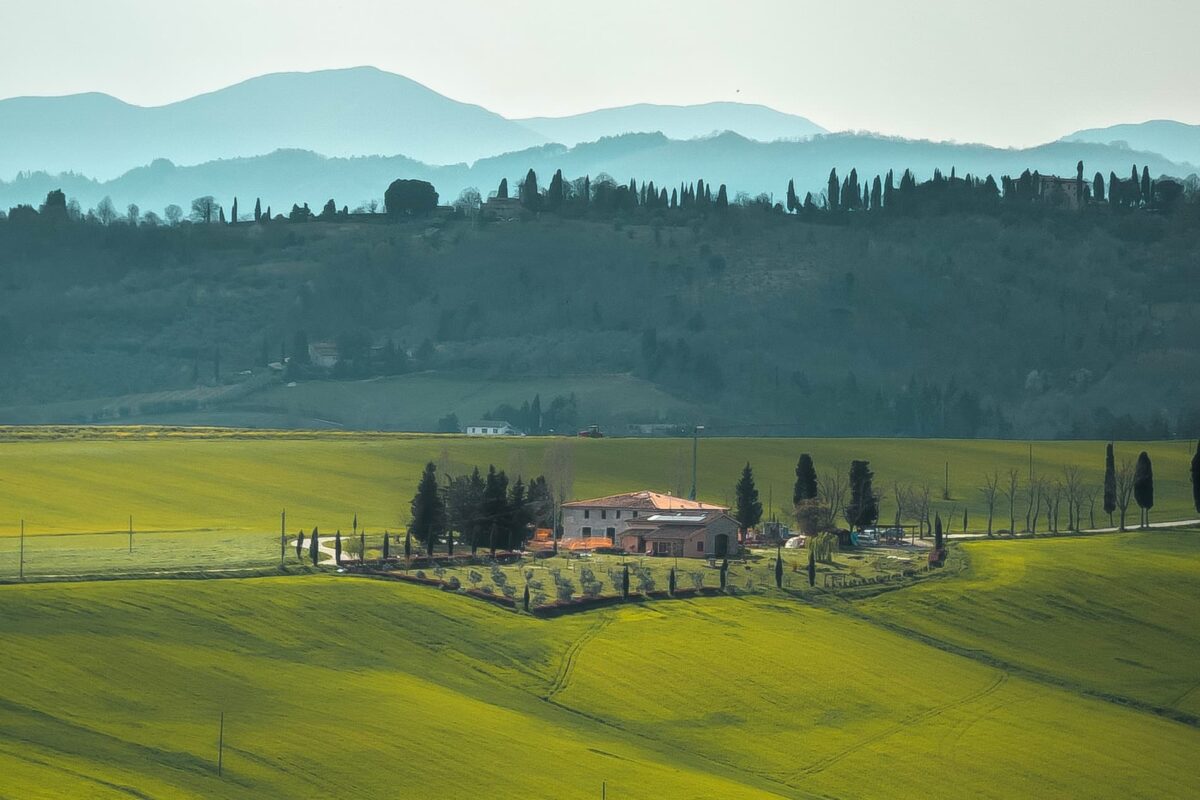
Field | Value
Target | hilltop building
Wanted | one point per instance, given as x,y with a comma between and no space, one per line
494,427
609,517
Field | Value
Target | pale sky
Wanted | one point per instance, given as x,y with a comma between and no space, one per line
1004,72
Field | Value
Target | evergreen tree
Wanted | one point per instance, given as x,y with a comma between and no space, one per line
428,510
258,209
793,202
1098,188
1196,478
1147,186
724,572
234,211
778,568
674,198
749,509
812,567
937,532
362,546
586,195
671,581
221,215
806,480
722,198
863,508
876,193
502,192
387,550
495,507
314,551
1110,482
964,519
1143,486
525,600
834,191
556,193
529,191
888,189
337,547
518,516
300,545
625,581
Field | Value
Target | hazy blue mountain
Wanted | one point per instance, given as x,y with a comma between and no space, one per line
290,176
1176,141
349,112
756,122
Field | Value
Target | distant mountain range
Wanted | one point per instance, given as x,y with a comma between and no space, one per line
756,122
296,176
1176,141
345,134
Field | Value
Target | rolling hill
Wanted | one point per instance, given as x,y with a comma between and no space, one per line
350,112
755,122
285,177
1173,140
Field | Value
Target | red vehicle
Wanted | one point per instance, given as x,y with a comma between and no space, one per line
591,432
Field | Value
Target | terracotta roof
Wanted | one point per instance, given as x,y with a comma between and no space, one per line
643,499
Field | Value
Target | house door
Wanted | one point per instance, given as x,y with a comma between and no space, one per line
721,545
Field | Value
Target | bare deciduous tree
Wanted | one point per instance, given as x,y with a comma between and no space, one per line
1073,493
1014,484
559,468
991,485
921,503
832,491
1124,488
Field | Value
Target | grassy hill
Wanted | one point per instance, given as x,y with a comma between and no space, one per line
1022,322
357,688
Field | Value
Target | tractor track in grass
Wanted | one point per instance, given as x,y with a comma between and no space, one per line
915,719
566,667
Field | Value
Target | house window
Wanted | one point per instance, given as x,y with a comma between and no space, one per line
618,513
587,533
635,515
700,547
611,533
587,513
603,514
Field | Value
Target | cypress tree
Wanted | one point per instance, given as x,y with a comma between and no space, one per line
529,191
428,510
778,568
258,209
362,546
221,215
300,545
671,581
556,194
749,509
1147,186
937,532
888,189
1143,486
525,599
724,569
863,508
234,212
806,480
408,545
812,568
876,193
674,198
722,198
267,216
1098,188
1110,482
625,582
337,547
587,189
834,190
793,202
314,552
387,550
1196,478
502,192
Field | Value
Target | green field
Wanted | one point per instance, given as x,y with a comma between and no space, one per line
228,480
349,687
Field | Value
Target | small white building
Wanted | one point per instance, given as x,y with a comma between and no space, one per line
493,427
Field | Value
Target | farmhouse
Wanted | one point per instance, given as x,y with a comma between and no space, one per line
698,533
323,354
609,517
493,427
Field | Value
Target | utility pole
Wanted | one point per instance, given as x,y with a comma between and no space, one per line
131,533
221,745
695,450
22,562
282,536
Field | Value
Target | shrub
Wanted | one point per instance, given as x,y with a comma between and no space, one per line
454,583
697,579
565,590
474,577
421,574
